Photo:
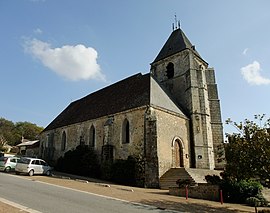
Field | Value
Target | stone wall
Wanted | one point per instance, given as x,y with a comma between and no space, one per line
216,121
202,191
189,88
171,127
113,124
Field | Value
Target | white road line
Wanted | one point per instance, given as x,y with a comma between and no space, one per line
16,205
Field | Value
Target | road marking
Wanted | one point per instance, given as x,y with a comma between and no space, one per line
16,205
91,193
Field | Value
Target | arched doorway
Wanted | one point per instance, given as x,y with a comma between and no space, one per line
178,153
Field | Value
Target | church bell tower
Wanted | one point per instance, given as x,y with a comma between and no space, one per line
183,73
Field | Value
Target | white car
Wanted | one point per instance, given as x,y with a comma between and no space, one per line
8,164
32,166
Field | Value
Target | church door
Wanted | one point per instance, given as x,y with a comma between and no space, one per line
178,154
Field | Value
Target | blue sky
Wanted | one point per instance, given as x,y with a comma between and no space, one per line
56,51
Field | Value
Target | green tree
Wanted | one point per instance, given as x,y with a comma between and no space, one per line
7,131
12,133
27,130
248,151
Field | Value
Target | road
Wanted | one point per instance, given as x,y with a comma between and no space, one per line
43,197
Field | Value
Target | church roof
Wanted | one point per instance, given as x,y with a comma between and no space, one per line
177,42
127,94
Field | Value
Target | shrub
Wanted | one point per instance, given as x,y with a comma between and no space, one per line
81,161
127,172
183,182
253,201
213,179
106,170
238,192
123,171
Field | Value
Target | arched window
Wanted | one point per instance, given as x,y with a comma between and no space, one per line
64,141
170,70
92,137
125,132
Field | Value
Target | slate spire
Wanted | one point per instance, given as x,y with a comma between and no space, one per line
177,42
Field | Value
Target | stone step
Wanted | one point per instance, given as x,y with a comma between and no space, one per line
195,175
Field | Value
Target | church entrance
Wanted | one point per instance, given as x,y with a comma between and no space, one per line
178,155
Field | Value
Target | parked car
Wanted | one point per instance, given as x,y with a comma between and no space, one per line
33,166
8,164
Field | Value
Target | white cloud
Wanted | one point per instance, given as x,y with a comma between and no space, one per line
38,31
252,74
245,51
71,62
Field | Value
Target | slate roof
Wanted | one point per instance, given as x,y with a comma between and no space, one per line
127,94
175,43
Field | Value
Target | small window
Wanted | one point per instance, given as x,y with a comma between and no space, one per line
64,141
92,137
43,163
170,70
36,162
125,132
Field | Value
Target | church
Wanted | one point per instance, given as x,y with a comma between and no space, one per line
169,117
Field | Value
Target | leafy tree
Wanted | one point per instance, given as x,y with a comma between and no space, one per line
7,131
12,133
248,151
27,130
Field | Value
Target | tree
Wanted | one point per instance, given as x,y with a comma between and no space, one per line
27,130
12,133
248,151
7,130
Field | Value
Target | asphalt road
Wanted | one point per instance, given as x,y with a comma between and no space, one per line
43,197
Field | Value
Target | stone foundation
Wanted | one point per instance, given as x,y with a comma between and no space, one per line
202,191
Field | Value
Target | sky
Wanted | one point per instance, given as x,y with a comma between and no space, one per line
53,52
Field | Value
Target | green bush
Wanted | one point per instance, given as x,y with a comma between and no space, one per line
123,171
81,161
243,191
238,192
106,170
183,182
213,179
253,201
127,172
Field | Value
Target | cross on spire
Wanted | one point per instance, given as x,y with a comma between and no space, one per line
176,24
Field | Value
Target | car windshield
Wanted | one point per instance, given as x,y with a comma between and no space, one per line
24,160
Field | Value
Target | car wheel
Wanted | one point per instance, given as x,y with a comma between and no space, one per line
31,172
7,169
49,173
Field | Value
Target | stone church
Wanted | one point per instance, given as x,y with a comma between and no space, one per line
169,117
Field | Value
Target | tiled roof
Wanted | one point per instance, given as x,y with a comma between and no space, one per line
127,94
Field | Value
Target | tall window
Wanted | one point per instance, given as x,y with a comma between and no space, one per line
170,70
92,137
125,131
64,141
